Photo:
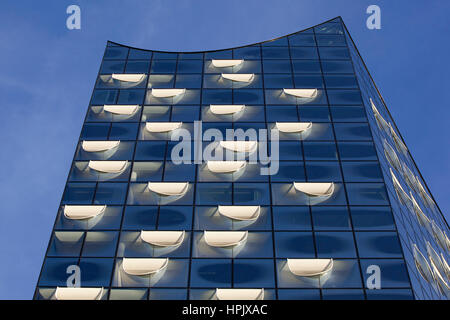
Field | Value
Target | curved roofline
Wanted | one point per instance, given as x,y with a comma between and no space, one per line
247,45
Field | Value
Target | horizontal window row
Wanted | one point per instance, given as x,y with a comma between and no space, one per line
289,218
269,294
216,244
221,171
223,194
248,113
222,273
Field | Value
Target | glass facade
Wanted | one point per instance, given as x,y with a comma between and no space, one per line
135,224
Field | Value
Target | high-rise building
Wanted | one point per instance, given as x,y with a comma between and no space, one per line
344,212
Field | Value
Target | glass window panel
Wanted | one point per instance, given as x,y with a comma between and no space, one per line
367,194
79,193
248,96
164,55
109,67
298,294
343,294
189,81
378,245
306,66
334,81
123,131
139,54
345,97
294,245
156,113
275,52
372,218
251,194
331,218
329,28
137,67
101,97
100,244
140,218
330,40
115,53
390,294
348,114
66,244
357,151
308,81
345,274
362,171
167,294
147,171
281,113
161,81
251,273
320,150
289,171
253,52
150,150
217,97
226,54
337,66
304,53
95,131
110,193
335,245
163,66
352,131
314,113
333,53
175,218
128,294
131,96
393,272
322,171
276,43
277,66
190,66
301,39
211,273
278,81
96,272
54,271
291,218
290,150
180,172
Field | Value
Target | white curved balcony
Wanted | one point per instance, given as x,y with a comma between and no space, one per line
225,166
108,166
226,63
169,188
144,266
239,146
240,294
241,213
421,216
128,77
315,189
301,93
81,212
99,146
239,77
422,264
223,109
78,293
293,127
160,127
225,239
120,109
167,93
163,238
310,267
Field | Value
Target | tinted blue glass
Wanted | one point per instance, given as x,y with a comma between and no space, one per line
140,218
330,40
357,151
250,273
294,245
247,53
277,66
289,171
306,66
131,96
217,97
278,81
348,114
281,113
212,273
110,193
390,294
150,150
115,53
190,66
352,131
139,54
96,272
333,81
298,294
323,171
95,131
345,274
163,66
393,272
275,52
319,150
314,113
301,39
329,28
251,194
378,245
66,244
100,244
291,218
308,81
343,294
123,131
366,194
331,218
304,53
112,67
362,171
54,271
175,218
290,150
101,97
181,172
79,193
333,53
372,218
335,245
188,81
249,96
137,66
337,66
167,294
276,43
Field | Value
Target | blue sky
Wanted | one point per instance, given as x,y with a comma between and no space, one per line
48,72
